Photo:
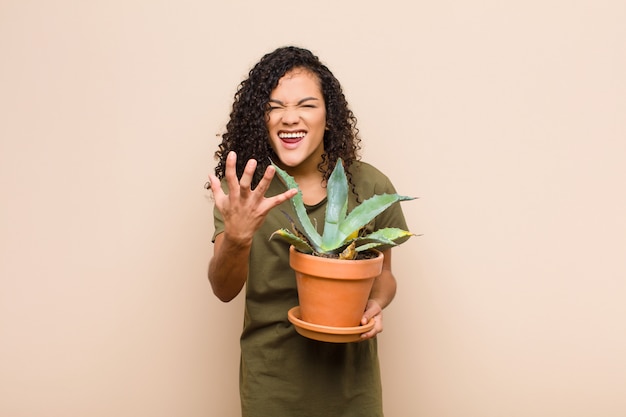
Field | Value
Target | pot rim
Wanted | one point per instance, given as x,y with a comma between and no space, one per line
336,268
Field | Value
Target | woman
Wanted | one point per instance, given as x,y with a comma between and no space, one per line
291,110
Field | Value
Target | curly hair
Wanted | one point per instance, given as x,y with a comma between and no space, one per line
247,134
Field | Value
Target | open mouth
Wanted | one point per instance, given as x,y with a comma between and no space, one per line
291,137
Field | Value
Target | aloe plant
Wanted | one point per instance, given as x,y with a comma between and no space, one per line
342,236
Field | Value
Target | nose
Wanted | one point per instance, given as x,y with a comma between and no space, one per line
290,115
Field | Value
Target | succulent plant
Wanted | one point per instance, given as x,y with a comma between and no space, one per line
342,236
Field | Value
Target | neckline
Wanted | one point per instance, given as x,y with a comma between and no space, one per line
312,207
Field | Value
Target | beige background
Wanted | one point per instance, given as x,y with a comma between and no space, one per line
507,119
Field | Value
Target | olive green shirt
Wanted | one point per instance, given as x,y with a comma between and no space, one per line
283,374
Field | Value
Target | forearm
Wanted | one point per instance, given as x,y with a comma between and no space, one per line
383,292
384,288
228,268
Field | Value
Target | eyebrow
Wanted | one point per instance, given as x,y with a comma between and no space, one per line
297,104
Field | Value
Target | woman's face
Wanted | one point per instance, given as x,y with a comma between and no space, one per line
296,120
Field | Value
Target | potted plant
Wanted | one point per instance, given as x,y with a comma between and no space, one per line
335,271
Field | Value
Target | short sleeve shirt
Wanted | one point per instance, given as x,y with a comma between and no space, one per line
283,374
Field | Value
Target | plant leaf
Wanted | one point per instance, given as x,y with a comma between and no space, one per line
298,206
298,243
366,212
336,207
387,236
349,252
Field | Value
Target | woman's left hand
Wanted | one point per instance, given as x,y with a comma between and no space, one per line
375,312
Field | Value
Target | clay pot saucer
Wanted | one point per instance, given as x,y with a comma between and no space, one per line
327,333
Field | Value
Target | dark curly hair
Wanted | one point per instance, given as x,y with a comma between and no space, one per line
247,134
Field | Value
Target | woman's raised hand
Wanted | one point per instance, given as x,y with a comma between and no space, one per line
243,208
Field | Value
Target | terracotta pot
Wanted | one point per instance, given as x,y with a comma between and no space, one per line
333,292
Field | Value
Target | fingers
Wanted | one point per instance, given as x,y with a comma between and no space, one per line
245,183
231,172
215,186
280,198
264,184
373,311
240,190
378,327
236,185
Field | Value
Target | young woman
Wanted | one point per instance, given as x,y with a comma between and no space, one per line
291,110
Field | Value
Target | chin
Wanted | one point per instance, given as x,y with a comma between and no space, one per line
289,160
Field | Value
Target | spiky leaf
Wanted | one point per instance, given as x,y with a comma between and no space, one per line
387,236
366,212
298,205
337,205
300,244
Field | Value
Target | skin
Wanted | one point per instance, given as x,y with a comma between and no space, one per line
296,106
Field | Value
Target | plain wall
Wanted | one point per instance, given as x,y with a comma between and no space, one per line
507,119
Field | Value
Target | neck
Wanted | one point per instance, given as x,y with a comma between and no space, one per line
311,185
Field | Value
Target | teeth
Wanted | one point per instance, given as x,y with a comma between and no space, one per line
292,135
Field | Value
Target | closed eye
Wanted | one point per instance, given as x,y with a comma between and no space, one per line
271,108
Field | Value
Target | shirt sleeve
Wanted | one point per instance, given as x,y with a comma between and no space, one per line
218,219
218,222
